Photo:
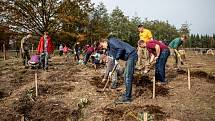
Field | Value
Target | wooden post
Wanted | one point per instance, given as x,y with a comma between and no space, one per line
188,78
32,49
20,53
36,88
153,91
4,51
145,116
22,117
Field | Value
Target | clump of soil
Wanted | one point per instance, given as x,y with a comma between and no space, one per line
43,110
24,104
131,113
8,114
180,71
199,74
141,80
97,81
144,86
113,114
50,111
76,115
3,94
147,91
202,74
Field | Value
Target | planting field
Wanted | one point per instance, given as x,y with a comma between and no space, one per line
71,92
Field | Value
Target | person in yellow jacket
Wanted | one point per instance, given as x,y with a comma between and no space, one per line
145,35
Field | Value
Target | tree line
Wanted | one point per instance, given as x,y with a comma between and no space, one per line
69,21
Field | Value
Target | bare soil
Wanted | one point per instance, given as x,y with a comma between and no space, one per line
66,84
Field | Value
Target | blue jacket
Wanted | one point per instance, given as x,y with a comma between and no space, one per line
119,49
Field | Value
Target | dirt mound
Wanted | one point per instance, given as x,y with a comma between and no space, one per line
180,71
43,110
50,111
8,114
199,74
3,94
202,74
154,113
54,89
131,113
24,104
97,81
144,86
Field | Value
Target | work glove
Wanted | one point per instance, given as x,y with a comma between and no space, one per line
155,58
116,62
110,74
103,80
147,64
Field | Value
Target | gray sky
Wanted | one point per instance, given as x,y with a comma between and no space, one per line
199,13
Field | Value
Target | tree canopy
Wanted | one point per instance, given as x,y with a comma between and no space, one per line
78,20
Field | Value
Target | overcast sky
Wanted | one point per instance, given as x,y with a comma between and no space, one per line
199,13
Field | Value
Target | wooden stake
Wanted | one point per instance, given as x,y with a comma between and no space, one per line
153,93
36,88
4,51
22,118
20,53
188,78
32,48
145,116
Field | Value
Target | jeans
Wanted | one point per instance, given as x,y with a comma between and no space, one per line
87,57
44,57
77,56
128,74
160,65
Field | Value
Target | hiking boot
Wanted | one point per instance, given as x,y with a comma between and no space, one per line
46,68
114,86
122,100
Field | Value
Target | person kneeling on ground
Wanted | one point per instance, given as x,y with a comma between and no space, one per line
122,50
159,52
96,59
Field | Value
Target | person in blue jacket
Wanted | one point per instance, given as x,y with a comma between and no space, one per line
120,50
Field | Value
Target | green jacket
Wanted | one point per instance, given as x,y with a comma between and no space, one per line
175,43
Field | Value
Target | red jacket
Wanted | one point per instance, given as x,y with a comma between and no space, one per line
50,47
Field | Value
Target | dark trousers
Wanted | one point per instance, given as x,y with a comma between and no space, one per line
77,56
87,57
25,57
160,65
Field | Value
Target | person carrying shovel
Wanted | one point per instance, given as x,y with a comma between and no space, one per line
122,50
174,45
